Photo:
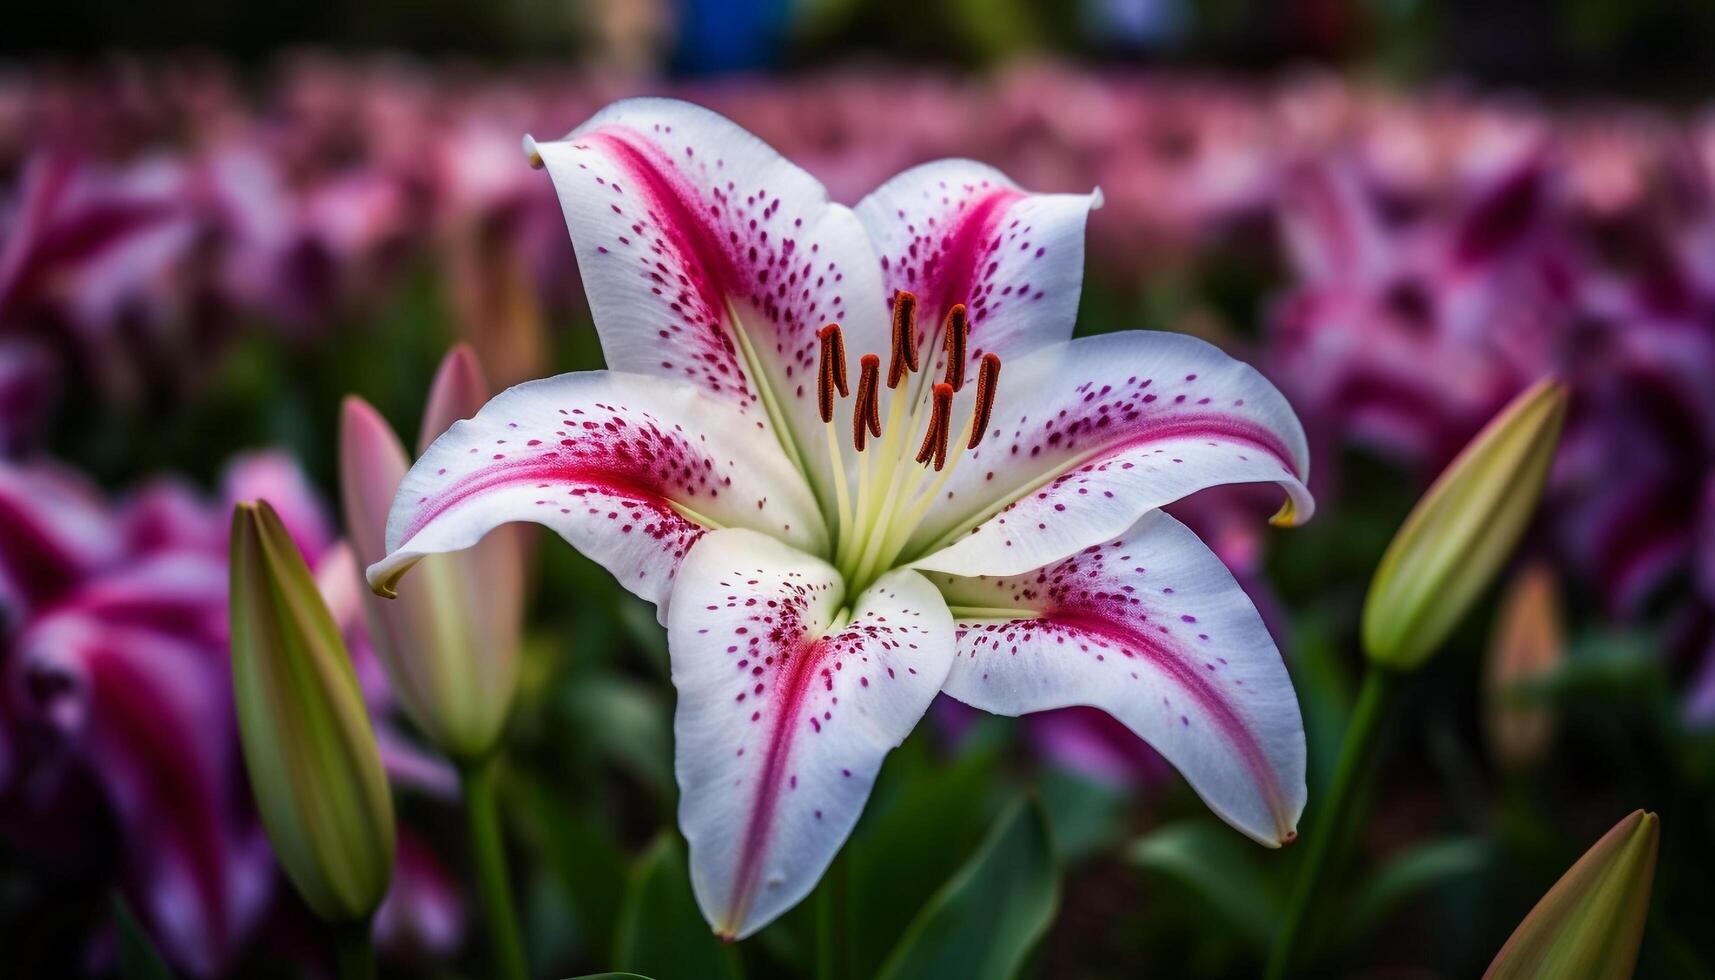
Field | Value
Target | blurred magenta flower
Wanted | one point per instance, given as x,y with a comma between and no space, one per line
1408,336
715,477
115,696
91,256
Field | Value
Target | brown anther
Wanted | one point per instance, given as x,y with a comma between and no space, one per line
866,412
988,379
830,370
935,438
957,330
904,359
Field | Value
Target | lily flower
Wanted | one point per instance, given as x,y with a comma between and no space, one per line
969,505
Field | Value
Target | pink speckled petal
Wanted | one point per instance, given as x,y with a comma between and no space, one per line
709,257
780,730
1332,233
1088,436
958,231
1152,629
54,531
630,470
127,675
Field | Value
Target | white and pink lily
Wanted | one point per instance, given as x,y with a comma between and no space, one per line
971,507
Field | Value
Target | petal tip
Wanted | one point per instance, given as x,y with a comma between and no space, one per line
531,153
384,575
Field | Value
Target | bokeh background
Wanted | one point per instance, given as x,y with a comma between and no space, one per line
218,219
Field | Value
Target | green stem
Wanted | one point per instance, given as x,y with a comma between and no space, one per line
833,922
1356,751
494,886
353,953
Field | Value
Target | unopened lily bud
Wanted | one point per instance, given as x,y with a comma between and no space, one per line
1528,644
314,767
449,641
1590,923
1462,531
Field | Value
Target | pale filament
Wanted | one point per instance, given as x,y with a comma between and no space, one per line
916,452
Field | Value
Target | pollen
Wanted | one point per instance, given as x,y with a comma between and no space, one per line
988,379
904,358
866,413
831,370
957,331
935,436
909,405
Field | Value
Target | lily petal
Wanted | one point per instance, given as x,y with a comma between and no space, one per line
959,231
1088,436
1151,628
784,714
128,677
709,257
54,531
630,470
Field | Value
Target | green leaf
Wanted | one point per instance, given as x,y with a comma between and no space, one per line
1418,870
138,957
661,932
625,721
924,818
610,976
986,919
1219,866
582,858
1087,816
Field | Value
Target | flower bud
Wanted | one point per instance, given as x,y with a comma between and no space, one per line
1462,531
314,767
450,640
1527,645
1590,923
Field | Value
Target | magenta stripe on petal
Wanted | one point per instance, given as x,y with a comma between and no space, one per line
789,700
1176,664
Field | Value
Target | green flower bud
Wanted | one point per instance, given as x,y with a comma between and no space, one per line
1462,531
1590,923
314,767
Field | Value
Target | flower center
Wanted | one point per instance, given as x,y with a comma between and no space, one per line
896,485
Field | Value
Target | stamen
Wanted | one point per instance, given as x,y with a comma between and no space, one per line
957,329
904,359
935,437
866,413
988,377
831,370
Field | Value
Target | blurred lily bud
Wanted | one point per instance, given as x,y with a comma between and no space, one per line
1527,644
1590,923
1462,531
450,640
497,307
314,767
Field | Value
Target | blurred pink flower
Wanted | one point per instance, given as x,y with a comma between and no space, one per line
114,677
